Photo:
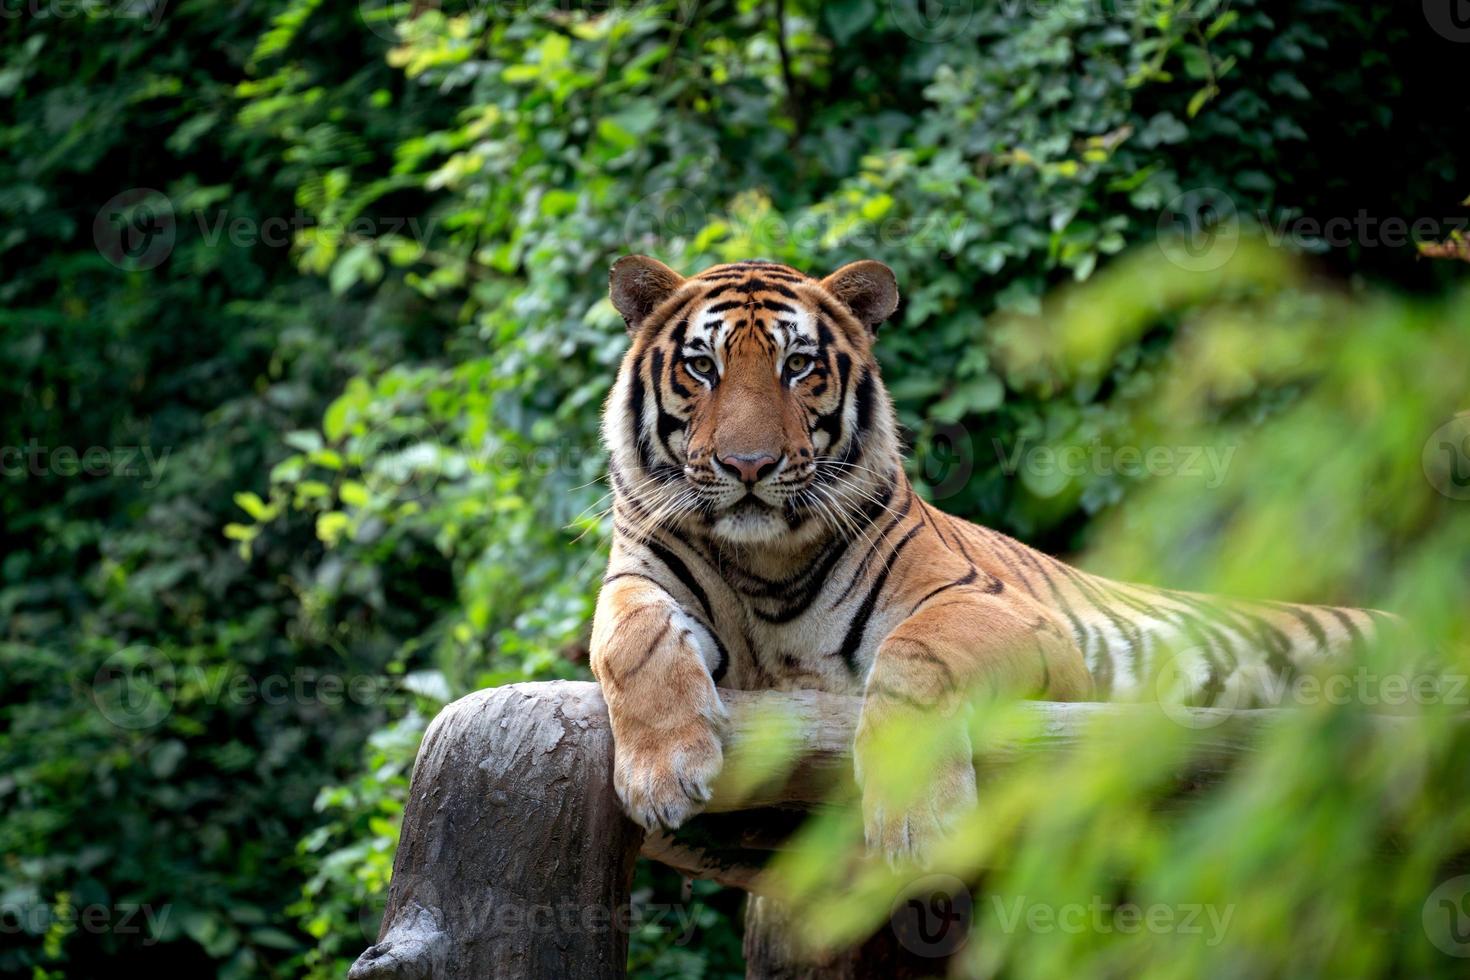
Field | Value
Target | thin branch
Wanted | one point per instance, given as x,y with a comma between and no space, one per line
1457,246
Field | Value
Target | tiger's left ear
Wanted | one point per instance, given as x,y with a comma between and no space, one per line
637,285
868,288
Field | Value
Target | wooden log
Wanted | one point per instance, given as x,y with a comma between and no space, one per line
743,821
824,725
515,860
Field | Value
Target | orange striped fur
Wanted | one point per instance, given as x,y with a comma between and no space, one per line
766,537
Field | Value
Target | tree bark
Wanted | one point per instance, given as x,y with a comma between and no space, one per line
515,860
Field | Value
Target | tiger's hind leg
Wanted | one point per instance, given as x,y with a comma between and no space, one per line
925,677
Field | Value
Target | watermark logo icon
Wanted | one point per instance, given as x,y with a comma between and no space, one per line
932,21
1449,18
134,688
664,216
1446,916
948,460
383,17
1183,678
933,915
1199,230
136,230
1446,458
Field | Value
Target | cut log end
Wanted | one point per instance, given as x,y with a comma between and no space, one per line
414,947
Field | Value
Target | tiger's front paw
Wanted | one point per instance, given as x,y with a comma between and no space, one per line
906,826
664,776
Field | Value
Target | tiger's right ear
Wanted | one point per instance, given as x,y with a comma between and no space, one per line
867,288
637,285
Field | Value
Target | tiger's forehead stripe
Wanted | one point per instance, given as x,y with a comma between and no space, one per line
748,305
764,267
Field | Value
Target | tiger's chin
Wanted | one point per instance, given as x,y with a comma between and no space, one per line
751,521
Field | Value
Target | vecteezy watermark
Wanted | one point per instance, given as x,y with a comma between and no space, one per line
136,688
932,21
932,916
130,462
1446,458
495,912
1209,463
1446,916
138,229
1194,676
674,213
946,460
383,17
122,919
147,12
1098,915
1310,234
1450,19
1199,230
281,231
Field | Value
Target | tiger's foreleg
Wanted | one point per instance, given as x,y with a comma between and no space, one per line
926,676
653,661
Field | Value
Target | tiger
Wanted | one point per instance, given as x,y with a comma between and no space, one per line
766,537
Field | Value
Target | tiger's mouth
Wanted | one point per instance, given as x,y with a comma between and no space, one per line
750,504
750,520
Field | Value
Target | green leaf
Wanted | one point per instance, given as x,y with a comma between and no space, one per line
331,526
1200,98
974,397
354,494
251,504
334,422
242,532
164,760
358,264
1221,24
306,440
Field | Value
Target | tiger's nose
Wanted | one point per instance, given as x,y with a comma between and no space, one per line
752,467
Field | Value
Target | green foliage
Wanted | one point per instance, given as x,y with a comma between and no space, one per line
371,363
117,583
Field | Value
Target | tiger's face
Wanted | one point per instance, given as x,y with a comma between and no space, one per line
749,402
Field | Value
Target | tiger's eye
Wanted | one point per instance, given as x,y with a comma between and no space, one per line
702,365
797,363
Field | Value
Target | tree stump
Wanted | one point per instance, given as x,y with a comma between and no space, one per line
515,860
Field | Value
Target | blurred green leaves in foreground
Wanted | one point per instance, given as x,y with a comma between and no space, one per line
344,273
1323,852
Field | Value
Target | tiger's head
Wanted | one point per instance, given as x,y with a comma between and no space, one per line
749,404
